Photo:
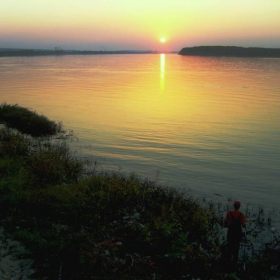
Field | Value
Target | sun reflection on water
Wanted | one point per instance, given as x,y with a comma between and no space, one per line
162,71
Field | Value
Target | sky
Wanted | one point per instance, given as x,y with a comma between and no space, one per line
138,24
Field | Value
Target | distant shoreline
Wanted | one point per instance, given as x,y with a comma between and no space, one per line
230,51
6,52
217,51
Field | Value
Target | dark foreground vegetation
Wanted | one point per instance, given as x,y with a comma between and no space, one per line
27,122
230,51
102,225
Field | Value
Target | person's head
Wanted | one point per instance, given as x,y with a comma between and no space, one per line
236,205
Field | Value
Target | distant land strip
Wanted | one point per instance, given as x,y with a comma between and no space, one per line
231,51
38,52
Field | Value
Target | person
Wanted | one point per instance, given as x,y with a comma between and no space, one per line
235,220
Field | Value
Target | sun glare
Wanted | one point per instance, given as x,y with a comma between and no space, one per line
162,40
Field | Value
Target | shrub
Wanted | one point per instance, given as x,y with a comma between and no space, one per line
53,163
13,144
108,218
27,121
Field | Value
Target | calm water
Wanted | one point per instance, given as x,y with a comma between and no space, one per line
209,124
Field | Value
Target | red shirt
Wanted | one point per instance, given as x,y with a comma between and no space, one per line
235,214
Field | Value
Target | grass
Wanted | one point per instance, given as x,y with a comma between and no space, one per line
102,226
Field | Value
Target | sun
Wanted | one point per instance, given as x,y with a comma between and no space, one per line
162,40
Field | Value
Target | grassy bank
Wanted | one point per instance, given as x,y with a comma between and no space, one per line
103,225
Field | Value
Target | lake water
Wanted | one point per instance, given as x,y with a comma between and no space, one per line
211,125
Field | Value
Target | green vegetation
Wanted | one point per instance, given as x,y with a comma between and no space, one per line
102,226
27,122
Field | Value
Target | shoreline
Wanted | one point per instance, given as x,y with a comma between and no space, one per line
39,52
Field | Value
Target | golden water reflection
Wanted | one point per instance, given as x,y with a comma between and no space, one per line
217,118
121,93
162,71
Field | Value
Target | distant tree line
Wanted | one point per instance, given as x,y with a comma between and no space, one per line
230,51
60,51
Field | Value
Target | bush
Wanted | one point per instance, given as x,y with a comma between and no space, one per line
104,220
27,121
53,163
13,144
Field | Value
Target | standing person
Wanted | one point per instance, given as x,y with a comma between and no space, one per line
235,220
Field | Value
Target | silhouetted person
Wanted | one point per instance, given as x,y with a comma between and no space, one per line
235,220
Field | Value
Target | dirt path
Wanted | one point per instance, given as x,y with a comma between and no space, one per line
13,266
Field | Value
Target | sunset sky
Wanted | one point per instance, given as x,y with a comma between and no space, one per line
138,25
